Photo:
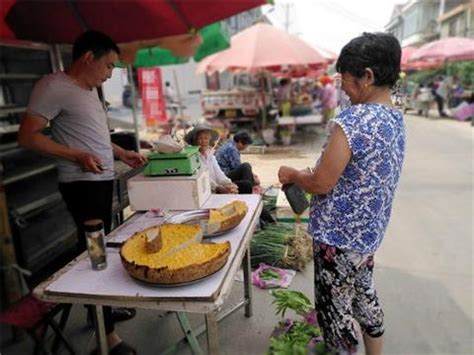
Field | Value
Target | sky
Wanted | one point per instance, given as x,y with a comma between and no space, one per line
330,24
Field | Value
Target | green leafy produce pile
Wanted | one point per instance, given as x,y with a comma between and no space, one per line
283,245
301,336
269,202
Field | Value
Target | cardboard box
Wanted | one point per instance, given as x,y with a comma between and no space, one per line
172,192
284,213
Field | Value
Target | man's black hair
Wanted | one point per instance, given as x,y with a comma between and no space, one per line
284,81
243,137
380,52
97,42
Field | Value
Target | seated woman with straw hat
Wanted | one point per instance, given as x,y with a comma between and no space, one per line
205,137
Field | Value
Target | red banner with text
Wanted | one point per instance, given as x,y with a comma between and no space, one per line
153,100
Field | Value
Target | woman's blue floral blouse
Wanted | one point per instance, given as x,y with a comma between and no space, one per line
355,214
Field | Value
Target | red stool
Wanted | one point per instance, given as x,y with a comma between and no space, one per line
35,316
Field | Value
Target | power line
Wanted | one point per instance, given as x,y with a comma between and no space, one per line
349,15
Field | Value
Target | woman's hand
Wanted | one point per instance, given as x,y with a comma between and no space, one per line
227,189
287,175
233,188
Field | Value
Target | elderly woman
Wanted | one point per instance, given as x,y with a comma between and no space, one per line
353,185
204,137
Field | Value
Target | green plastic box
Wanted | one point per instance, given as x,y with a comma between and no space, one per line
186,162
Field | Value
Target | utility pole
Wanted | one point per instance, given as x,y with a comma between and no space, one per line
442,6
287,17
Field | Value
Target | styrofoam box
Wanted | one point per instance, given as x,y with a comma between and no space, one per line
172,192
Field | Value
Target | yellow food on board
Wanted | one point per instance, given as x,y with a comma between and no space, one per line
180,258
227,217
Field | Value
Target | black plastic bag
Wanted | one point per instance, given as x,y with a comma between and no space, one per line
296,197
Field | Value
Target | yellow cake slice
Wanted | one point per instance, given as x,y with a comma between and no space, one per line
227,217
180,257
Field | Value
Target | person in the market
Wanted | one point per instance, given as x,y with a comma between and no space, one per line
422,97
353,185
170,95
204,137
328,97
439,92
283,97
228,157
81,142
456,93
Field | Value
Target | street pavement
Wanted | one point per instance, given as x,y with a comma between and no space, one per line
424,272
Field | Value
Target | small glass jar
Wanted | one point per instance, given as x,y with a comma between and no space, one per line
95,237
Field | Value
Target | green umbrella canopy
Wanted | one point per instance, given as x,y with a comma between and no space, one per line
215,38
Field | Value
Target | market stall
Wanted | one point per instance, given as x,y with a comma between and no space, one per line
55,25
253,51
78,283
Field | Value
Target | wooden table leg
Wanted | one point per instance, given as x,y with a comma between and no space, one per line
247,283
100,335
212,334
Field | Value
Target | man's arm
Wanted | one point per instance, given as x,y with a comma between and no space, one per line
30,136
129,157
333,162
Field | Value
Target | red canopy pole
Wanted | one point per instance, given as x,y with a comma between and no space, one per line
72,5
180,15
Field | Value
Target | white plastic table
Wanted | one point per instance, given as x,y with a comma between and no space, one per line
78,283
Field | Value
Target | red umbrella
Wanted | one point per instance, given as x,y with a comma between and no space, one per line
62,21
262,46
5,31
406,54
447,49
422,65
299,72
406,64
330,56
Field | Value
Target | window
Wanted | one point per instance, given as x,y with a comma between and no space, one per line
451,4
411,22
452,28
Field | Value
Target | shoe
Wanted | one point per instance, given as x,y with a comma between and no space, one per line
122,314
118,315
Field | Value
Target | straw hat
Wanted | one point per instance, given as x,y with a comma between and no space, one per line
191,136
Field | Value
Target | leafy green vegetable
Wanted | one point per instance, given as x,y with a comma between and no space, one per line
289,299
296,340
281,244
269,275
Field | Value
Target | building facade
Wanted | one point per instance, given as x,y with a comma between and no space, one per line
456,18
418,22
415,23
